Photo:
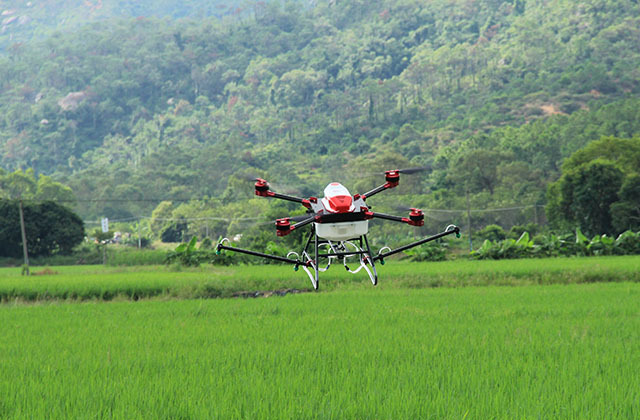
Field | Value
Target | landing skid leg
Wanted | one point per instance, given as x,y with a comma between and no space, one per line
312,263
369,259
316,266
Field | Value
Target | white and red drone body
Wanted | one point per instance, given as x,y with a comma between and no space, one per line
341,225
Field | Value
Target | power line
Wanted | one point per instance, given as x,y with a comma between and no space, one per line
115,200
177,219
253,219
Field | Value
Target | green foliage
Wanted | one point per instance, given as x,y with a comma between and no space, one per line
187,255
587,195
595,194
553,245
101,236
206,244
146,109
626,211
507,248
625,152
428,252
174,232
49,227
628,243
25,185
492,233
517,230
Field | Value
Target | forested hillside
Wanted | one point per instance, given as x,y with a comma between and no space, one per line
491,95
22,21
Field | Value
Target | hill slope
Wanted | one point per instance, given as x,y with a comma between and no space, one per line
147,108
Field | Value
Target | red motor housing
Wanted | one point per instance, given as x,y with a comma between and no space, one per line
262,187
283,227
392,177
416,217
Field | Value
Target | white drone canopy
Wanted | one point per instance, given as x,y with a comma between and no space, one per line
337,198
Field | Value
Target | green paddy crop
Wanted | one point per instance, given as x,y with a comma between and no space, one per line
109,283
559,351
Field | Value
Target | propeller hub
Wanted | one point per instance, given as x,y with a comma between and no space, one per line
261,186
392,177
283,226
417,217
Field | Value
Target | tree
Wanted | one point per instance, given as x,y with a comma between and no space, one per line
625,152
583,196
478,169
626,211
50,228
21,185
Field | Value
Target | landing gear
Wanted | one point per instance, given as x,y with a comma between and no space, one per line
348,251
351,251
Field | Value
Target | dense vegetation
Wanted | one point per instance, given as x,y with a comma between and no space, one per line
49,228
553,245
491,95
24,21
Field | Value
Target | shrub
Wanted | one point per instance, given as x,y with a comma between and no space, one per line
186,254
430,251
517,230
492,233
552,245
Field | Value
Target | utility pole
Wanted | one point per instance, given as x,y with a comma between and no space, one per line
469,220
25,252
139,237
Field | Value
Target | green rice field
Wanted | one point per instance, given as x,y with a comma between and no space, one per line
109,283
554,347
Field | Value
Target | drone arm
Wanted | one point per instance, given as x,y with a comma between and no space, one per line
392,178
375,191
221,247
451,229
286,197
304,222
284,226
416,217
262,190
387,217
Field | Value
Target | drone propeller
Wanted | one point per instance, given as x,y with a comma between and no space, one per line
402,208
292,219
300,217
247,177
407,171
410,171
434,214
416,170
278,186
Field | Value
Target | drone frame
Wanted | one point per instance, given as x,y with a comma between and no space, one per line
338,249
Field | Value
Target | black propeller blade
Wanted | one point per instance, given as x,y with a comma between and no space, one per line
292,219
301,217
416,170
247,177
402,208
407,171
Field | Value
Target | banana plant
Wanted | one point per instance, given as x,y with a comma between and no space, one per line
185,253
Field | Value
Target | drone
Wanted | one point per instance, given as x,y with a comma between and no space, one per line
340,225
